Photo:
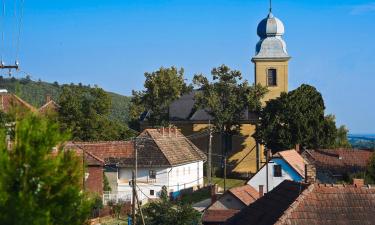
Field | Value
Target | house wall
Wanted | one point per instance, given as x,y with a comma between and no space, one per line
227,201
174,178
288,173
94,179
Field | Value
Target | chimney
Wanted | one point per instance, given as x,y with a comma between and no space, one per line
261,193
214,190
310,173
163,131
48,98
358,182
298,149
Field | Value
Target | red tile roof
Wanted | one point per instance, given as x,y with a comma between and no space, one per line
218,215
245,194
339,161
294,159
102,151
50,106
298,203
327,204
9,101
154,149
269,208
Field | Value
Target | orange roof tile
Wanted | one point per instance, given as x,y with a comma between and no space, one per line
246,194
294,159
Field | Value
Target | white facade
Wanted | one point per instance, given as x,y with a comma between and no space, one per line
175,178
287,173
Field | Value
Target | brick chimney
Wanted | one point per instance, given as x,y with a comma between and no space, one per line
261,191
298,148
310,173
48,98
358,182
214,190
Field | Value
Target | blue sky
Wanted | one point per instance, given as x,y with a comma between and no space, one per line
113,42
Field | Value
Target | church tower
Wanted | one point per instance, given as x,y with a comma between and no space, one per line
271,58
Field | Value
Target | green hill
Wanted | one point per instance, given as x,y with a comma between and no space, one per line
35,93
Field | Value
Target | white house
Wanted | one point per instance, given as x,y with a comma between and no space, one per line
165,158
284,165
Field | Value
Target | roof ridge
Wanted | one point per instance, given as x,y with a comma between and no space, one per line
295,204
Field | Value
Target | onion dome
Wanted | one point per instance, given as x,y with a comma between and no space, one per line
270,27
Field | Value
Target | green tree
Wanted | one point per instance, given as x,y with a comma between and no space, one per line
294,118
227,100
84,111
164,212
161,88
36,185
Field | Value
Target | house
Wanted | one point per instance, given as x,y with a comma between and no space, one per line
270,70
96,154
333,165
9,102
49,107
284,165
230,203
301,203
164,158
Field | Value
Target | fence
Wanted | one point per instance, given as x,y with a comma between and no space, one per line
116,197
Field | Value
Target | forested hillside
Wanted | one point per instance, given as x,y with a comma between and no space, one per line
35,93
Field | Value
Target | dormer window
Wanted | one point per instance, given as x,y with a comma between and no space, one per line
271,77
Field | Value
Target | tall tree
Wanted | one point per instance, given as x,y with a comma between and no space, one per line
84,111
36,185
227,100
161,88
294,118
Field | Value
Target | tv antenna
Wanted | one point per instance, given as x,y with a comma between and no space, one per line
14,36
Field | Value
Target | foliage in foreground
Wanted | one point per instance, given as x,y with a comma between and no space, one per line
37,187
298,117
164,212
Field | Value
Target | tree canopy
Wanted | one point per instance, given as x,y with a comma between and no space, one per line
227,99
84,111
162,87
165,212
298,117
36,185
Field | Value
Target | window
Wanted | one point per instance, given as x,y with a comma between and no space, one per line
271,77
277,171
152,192
152,174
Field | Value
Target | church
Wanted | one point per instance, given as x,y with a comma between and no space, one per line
271,70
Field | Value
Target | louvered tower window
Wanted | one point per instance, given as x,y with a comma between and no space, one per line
272,74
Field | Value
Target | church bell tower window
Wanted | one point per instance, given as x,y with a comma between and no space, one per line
271,77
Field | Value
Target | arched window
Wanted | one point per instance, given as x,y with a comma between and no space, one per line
271,77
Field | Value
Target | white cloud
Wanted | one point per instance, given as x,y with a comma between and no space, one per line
363,9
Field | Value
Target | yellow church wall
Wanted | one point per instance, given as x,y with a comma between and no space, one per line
261,70
243,157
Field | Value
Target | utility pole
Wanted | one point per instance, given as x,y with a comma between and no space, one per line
133,198
134,179
225,172
209,156
267,159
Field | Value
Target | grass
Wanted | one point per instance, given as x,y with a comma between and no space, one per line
112,221
196,196
204,193
230,183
